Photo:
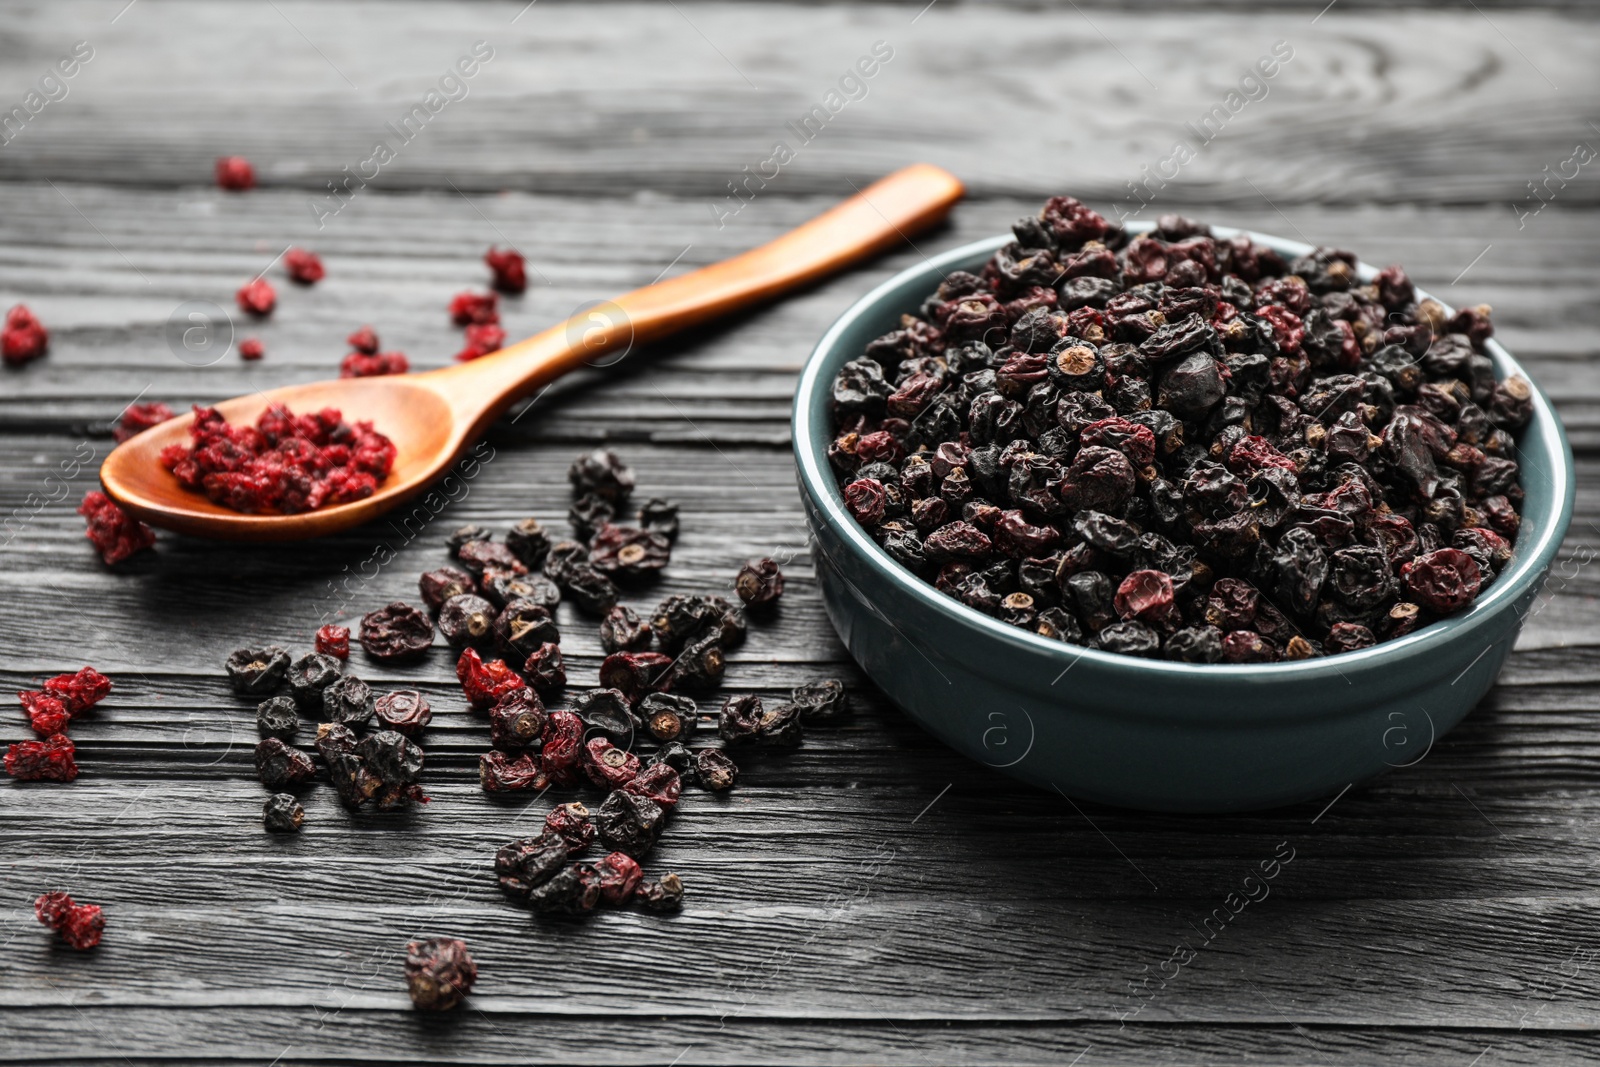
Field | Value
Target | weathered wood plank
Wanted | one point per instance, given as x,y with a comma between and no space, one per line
620,97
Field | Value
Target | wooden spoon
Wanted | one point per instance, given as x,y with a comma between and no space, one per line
433,417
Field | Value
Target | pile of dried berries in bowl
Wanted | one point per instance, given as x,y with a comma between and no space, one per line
1185,446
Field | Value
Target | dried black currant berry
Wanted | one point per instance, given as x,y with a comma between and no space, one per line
281,766
501,589
605,710
588,513
633,674
660,516
602,473
626,552
348,701
546,670
439,972
530,542
480,557
282,814
257,671
759,583
396,632
669,717
517,721
822,698
573,890
310,675
665,895
678,757
440,585
522,627
464,534
467,619
525,864
700,666
629,823
277,717
623,631
780,727
740,721
592,591
714,770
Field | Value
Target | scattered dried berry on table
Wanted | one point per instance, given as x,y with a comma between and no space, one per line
115,534
602,473
404,710
257,671
665,895
333,641
530,542
278,717
396,632
50,760
364,341
140,417
251,349
485,682
522,627
257,297
23,338
669,717
1180,445
348,701
80,690
546,670
286,463
500,772
438,586
467,619
823,698
304,267
510,270
634,674
481,339
623,631
714,770
373,365
439,973
235,173
475,308
46,714
759,582
281,766
606,710
309,675
660,516
282,814
80,925
627,552
629,823
573,823
517,720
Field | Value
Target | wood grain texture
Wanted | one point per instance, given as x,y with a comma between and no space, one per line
870,897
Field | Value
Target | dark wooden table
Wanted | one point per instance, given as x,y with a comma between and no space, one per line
871,897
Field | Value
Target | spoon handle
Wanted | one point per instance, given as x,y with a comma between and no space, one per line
877,218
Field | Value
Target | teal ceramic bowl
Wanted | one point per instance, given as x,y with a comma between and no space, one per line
1143,733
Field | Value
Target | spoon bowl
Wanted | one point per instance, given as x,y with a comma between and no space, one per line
433,418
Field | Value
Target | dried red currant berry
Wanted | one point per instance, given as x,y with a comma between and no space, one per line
658,783
510,270
405,711
282,814
396,632
360,365
499,772
668,716
629,823
80,690
523,627
115,534
440,585
1147,596
591,590
303,266
623,631
277,717
563,743
665,895
137,418
780,727
759,582
333,640
257,297
527,863
257,671
439,972
50,760
479,556
517,720
1444,580
619,877
821,698
628,552
282,767
714,770
23,338
546,669
80,925
467,619
469,308
348,701
481,339
605,710
699,667
309,675
572,823
235,173
634,674
573,890
602,473
607,765
484,682
660,516
46,714
740,721
251,349
364,341
530,542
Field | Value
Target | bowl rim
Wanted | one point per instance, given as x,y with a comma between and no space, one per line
1529,561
